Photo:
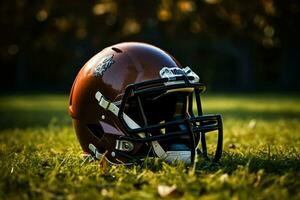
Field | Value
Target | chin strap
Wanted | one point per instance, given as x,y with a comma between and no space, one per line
108,105
170,156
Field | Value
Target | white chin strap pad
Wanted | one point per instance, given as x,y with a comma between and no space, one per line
171,156
184,156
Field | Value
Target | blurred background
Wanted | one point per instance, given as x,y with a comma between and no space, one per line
234,45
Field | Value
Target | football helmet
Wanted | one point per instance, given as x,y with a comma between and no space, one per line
133,101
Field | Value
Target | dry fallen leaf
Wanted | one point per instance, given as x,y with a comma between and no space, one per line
165,190
252,124
231,146
224,178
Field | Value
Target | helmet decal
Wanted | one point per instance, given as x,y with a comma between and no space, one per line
104,64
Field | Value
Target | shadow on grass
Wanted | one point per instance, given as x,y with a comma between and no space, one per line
253,163
230,163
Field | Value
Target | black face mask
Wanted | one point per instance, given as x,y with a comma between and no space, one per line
165,114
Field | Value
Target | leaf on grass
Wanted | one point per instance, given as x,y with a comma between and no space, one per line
165,190
257,179
252,124
232,146
224,178
103,162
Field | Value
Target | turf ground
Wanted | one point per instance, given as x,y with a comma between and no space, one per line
40,157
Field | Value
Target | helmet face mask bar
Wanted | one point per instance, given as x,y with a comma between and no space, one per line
188,128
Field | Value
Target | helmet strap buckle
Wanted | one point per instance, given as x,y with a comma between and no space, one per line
124,145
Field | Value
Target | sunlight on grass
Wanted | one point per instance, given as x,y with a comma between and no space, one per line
33,102
33,110
252,103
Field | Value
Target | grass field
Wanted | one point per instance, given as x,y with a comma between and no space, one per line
40,157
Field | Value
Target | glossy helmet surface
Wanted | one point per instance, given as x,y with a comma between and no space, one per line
133,101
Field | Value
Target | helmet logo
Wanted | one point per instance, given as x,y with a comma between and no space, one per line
104,64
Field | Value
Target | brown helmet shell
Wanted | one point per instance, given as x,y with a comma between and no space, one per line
120,65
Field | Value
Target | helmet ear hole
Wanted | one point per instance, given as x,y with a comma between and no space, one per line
96,130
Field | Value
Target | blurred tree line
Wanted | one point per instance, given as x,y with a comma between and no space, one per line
234,45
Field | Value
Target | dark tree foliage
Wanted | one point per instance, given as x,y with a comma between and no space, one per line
232,44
